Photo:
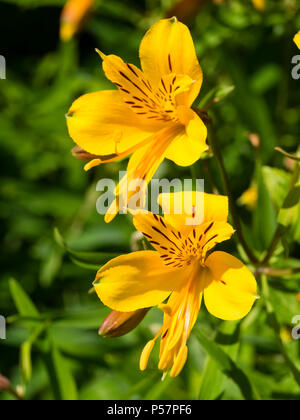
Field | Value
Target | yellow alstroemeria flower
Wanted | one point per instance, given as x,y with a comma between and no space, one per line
72,16
149,117
182,269
297,40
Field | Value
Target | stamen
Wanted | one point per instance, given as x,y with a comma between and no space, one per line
146,354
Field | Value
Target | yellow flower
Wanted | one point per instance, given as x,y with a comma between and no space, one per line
182,268
149,117
249,198
259,4
73,15
297,40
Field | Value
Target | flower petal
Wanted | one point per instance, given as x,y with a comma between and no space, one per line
137,280
159,233
232,290
180,208
168,48
188,147
102,123
141,167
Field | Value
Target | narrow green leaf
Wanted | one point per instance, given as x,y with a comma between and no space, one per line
214,381
63,382
265,219
228,367
89,260
25,352
23,303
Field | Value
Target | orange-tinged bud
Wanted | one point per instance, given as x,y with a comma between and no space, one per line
4,384
118,323
298,297
185,10
73,16
254,140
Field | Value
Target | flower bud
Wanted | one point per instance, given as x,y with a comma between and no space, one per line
73,16
118,323
4,384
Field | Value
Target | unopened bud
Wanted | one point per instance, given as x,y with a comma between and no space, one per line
254,140
118,323
4,384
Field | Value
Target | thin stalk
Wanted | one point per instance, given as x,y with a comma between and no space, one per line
278,272
226,184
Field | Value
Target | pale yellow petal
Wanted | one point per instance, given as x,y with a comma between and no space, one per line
189,145
137,280
168,48
297,40
182,207
102,124
232,290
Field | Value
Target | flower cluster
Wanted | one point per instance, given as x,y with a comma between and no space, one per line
149,117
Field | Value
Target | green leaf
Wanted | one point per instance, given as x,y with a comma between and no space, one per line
277,182
89,260
214,381
23,303
62,380
228,367
265,218
216,95
25,352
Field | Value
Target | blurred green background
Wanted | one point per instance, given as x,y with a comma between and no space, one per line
52,348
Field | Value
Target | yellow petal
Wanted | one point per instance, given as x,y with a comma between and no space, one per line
297,40
209,234
143,163
182,207
134,88
158,232
135,281
233,289
188,146
101,123
168,48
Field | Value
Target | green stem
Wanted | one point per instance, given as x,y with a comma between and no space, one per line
278,272
226,184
